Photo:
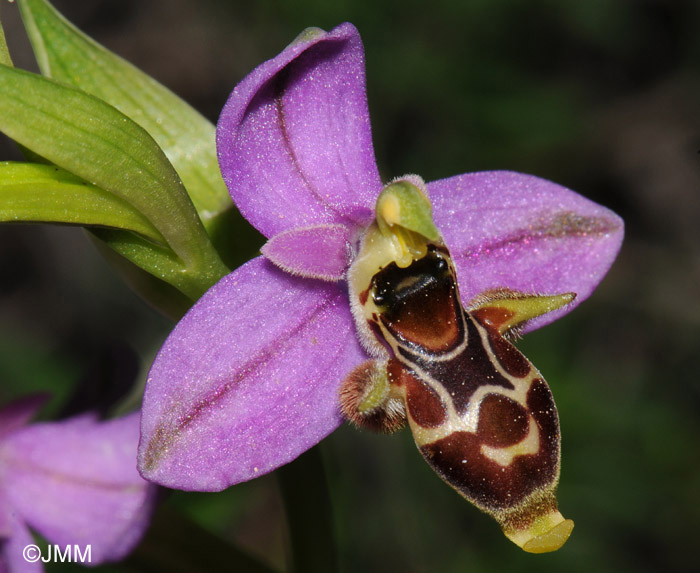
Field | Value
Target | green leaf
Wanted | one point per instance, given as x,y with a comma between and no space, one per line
99,144
47,194
187,138
139,266
4,52
159,262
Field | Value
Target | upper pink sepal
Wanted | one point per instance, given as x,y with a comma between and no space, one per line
523,233
294,138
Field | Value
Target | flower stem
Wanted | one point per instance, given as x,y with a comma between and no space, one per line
304,489
174,543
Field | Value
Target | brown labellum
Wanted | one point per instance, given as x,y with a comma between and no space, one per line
480,413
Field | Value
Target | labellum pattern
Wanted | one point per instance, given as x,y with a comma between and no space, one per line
250,378
481,414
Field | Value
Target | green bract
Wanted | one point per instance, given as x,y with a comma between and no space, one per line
66,54
33,193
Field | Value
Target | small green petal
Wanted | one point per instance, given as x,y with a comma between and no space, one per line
507,310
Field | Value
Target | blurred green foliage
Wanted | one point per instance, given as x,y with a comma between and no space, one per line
600,96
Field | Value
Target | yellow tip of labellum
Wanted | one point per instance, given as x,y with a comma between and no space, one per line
547,533
550,540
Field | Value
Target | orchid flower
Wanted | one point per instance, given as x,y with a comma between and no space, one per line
74,482
251,377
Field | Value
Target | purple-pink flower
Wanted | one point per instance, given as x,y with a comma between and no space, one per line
74,482
249,379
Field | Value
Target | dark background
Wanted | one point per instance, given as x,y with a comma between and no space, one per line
600,96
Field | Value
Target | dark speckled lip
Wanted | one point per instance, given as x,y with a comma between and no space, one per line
459,460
